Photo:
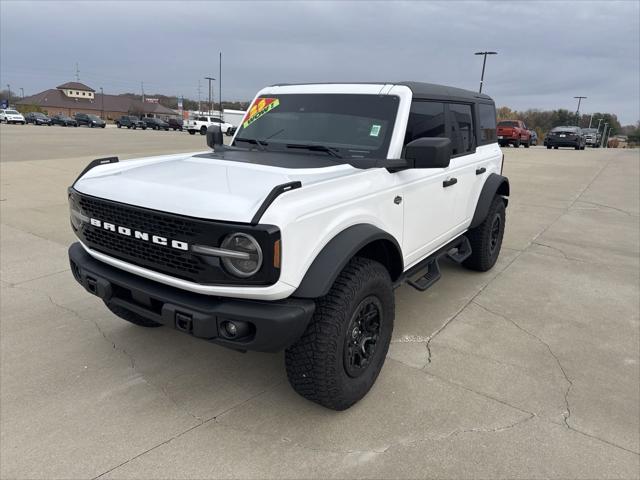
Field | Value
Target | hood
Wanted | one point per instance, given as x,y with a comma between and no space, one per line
201,185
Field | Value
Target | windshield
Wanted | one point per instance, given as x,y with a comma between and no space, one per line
38,114
589,130
565,129
351,125
93,117
508,124
11,112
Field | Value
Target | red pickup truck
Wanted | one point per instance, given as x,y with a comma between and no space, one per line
513,132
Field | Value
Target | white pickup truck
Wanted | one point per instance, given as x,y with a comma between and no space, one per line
200,123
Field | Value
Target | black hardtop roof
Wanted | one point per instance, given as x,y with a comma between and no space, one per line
424,90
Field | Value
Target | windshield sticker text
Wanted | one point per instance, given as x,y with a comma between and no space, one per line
260,107
375,131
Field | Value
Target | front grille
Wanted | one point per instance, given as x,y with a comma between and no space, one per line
165,259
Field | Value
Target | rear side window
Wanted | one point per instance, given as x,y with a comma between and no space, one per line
426,119
462,137
487,114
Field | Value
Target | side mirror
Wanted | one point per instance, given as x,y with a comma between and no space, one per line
428,152
214,137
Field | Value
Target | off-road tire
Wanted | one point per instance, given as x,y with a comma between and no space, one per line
485,244
132,317
317,363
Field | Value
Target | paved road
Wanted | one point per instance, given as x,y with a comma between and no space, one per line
528,371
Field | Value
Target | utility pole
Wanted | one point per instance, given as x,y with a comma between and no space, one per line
102,100
599,120
210,79
9,88
220,86
484,63
199,100
590,120
77,73
604,132
142,88
22,92
578,110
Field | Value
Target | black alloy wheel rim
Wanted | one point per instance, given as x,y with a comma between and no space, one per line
362,336
495,233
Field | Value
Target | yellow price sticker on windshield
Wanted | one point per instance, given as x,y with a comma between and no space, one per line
259,108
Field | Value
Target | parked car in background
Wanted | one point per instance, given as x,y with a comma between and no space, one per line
90,120
513,132
202,122
534,137
592,137
175,123
11,116
155,123
37,118
565,136
130,121
64,121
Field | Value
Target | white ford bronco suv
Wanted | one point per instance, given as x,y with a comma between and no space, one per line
295,235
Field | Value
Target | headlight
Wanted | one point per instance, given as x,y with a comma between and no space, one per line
250,259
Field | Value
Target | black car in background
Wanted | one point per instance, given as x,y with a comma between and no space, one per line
90,120
37,118
63,120
175,123
565,136
155,123
130,121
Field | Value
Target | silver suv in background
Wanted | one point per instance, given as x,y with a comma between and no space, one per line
592,137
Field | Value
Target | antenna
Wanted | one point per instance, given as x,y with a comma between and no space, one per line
77,73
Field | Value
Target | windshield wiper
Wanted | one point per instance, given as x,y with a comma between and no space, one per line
316,148
259,143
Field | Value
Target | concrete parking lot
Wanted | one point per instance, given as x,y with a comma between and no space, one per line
528,371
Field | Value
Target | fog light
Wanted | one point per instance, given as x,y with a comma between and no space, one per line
230,329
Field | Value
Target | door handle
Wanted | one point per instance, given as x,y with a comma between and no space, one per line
480,171
448,183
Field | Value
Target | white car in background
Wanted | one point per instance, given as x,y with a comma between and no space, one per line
11,116
200,124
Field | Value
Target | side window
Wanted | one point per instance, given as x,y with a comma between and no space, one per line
487,115
426,119
462,138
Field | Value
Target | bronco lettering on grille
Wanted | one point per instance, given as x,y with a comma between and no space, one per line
127,232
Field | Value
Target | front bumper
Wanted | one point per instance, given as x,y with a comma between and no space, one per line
563,142
272,326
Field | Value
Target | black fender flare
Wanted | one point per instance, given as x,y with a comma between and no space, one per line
335,255
494,185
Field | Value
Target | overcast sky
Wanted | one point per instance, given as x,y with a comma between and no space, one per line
548,51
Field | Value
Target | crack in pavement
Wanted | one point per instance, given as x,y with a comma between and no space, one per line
609,207
567,414
184,432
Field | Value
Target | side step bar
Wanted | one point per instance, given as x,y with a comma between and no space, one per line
427,272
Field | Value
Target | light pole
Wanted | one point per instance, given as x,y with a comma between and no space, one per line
9,88
578,110
484,63
604,132
22,92
210,79
102,100
590,120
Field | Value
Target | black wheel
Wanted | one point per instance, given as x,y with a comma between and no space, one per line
486,238
118,125
548,147
555,148
132,317
338,358
516,144
527,144
192,132
577,147
203,130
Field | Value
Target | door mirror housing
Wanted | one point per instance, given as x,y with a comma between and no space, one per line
214,137
428,152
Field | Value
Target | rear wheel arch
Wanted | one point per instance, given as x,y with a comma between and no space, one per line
362,240
494,185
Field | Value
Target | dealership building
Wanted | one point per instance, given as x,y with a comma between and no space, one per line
75,97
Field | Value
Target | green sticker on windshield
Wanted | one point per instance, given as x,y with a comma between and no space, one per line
375,131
